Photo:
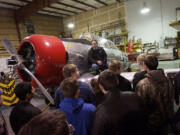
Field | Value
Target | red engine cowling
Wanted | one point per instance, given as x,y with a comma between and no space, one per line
45,57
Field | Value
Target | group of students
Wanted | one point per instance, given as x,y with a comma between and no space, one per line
110,106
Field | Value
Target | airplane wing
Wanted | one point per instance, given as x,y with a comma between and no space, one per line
130,75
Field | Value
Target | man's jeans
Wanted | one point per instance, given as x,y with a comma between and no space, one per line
98,68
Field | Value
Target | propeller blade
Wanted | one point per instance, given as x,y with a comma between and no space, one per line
44,91
12,50
9,47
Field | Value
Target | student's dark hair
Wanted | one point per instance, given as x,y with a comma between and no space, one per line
22,89
108,80
115,65
151,62
95,85
69,87
68,70
47,123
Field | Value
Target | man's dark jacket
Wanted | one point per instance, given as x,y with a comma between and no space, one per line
177,87
21,114
120,114
97,54
124,84
137,77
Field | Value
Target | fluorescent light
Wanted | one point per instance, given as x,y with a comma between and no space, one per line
71,25
145,10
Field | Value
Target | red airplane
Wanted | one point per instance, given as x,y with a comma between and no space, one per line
40,60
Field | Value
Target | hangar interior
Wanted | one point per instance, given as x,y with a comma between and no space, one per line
120,21
134,26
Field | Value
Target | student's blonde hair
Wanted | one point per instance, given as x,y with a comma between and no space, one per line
141,58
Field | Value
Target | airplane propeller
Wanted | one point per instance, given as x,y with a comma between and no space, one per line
13,52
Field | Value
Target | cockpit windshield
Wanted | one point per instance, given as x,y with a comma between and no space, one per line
102,42
105,43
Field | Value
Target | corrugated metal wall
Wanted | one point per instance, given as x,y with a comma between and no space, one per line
46,25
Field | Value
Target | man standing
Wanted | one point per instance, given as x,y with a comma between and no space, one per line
78,113
51,122
86,93
157,93
139,75
124,84
97,57
121,113
24,111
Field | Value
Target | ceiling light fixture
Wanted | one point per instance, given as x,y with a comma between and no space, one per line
145,9
71,25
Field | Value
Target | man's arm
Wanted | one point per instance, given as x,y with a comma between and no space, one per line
104,56
140,89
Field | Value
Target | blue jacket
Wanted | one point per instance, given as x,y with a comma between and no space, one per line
79,114
86,93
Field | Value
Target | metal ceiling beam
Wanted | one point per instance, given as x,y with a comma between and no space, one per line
83,3
178,8
24,1
59,16
62,9
7,8
105,4
41,10
54,12
7,3
50,15
71,6
11,4
32,8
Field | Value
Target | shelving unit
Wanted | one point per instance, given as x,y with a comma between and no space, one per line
170,42
120,40
150,47
137,45
122,47
176,25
